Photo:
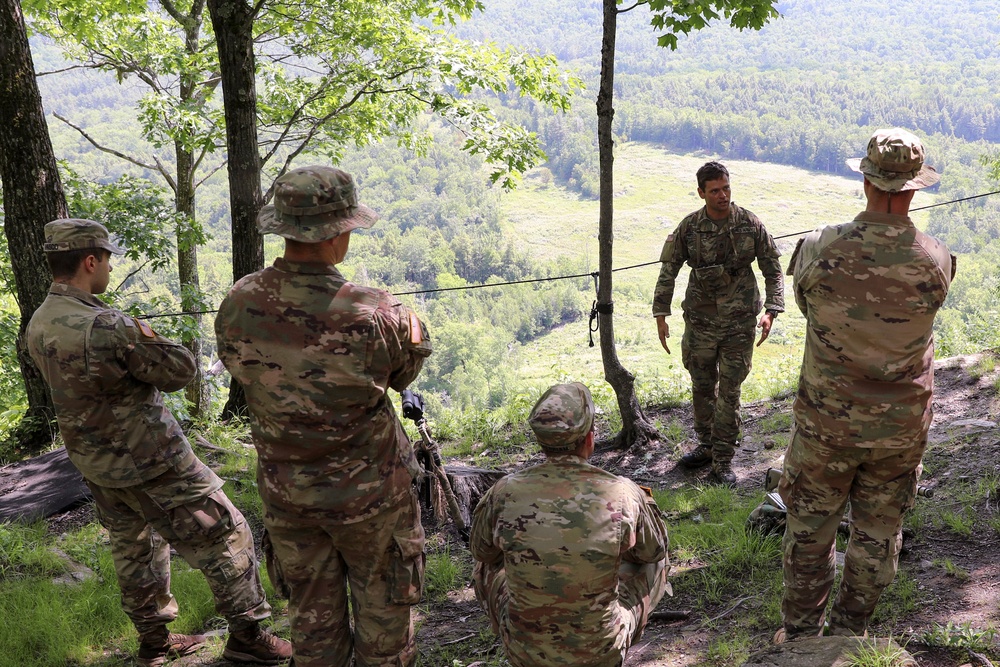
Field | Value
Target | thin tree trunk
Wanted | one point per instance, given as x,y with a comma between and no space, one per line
187,238
187,275
33,196
233,24
636,429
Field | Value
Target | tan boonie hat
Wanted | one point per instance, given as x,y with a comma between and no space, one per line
312,204
563,416
895,162
68,234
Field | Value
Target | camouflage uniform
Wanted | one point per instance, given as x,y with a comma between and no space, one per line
316,355
106,371
720,310
571,558
869,290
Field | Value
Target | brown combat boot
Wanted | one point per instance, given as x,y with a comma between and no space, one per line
723,471
157,646
257,645
697,457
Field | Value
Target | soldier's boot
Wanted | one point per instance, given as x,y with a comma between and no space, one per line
723,471
257,645
697,457
159,645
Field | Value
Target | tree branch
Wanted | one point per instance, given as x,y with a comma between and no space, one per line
169,7
66,69
129,276
641,2
158,167
210,174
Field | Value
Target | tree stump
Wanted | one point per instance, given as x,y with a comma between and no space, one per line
469,485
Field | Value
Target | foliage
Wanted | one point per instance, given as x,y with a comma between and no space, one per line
871,654
682,16
959,635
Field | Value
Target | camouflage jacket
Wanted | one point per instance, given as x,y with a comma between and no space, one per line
722,286
106,371
869,290
561,529
316,354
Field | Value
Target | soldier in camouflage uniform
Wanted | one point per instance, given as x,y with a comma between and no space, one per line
720,242
106,371
570,559
869,290
316,355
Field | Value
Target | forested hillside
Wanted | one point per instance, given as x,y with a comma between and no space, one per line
804,92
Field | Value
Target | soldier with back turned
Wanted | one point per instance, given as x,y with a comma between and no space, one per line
869,289
316,355
571,559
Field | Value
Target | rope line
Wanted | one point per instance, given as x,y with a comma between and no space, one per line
592,274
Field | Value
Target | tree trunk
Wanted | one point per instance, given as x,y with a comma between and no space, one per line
33,196
187,274
233,24
636,429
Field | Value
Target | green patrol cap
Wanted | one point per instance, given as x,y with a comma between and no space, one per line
312,204
562,416
895,162
68,234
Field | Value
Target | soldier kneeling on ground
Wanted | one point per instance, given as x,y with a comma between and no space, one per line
571,558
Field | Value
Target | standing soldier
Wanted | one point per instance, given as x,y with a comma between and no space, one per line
570,558
106,371
869,290
316,355
720,242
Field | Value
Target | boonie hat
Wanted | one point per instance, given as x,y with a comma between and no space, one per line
67,234
895,162
312,204
562,416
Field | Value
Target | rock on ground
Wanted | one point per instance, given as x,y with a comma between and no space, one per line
824,652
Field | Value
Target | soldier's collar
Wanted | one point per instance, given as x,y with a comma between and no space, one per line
312,268
62,289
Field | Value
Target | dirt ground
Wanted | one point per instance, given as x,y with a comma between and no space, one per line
964,447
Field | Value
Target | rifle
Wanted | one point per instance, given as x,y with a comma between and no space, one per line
430,458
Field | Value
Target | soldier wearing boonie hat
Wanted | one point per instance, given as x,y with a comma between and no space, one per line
869,290
107,372
552,539
312,204
895,162
316,355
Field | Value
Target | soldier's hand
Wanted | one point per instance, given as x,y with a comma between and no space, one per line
663,331
766,321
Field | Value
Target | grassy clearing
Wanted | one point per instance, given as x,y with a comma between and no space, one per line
45,623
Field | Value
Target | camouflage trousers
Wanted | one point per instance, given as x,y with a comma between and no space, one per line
205,528
379,562
640,588
718,358
816,484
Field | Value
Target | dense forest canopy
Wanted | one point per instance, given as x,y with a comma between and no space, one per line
806,91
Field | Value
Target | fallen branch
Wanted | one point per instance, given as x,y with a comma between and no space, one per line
726,612
459,640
